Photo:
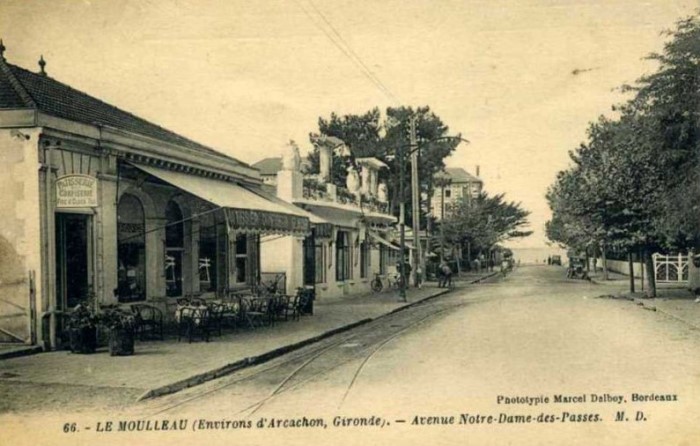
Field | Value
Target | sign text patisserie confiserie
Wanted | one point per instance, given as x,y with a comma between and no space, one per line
76,191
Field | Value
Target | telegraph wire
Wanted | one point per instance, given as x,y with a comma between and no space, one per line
347,51
354,54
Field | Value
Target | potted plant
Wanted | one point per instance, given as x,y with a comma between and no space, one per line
345,196
313,188
121,325
82,328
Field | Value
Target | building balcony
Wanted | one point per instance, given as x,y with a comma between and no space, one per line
318,193
315,190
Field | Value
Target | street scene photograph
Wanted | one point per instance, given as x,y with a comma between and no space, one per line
329,222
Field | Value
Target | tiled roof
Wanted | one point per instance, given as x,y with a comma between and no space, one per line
52,97
459,175
9,97
269,166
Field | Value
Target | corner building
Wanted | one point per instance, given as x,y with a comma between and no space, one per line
100,204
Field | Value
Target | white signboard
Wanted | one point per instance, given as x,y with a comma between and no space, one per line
76,191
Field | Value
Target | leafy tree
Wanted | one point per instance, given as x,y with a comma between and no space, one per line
484,222
361,133
669,101
368,136
629,184
597,201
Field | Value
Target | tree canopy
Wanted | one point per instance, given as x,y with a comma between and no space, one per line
484,221
367,135
635,181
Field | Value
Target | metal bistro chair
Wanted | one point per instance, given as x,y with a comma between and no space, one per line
277,308
291,307
255,311
216,317
192,320
149,319
230,315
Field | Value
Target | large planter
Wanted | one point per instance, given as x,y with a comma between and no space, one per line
83,340
121,342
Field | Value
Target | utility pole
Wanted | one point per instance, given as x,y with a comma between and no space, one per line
415,202
402,227
442,222
428,232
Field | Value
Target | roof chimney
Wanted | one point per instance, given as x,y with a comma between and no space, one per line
42,65
477,171
2,50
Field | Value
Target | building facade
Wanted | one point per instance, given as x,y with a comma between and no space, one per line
454,185
350,226
105,207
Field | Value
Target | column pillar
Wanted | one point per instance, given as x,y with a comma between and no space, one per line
324,161
366,175
106,249
190,266
155,258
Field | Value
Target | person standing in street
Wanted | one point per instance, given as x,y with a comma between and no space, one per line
441,274
406,271
504,267
446,273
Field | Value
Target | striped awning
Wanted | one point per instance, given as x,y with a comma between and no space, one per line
246,211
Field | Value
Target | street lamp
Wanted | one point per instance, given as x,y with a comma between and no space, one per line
413,147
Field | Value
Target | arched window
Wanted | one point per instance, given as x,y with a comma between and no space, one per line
131,251
174,248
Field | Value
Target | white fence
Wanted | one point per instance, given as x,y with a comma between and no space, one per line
666,268
670,269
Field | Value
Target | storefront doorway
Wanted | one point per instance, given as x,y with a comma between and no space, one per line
73,259
309,265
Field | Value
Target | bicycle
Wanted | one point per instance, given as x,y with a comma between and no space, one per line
377,284
396,281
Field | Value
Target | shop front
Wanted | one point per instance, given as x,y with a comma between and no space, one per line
103,207
172,234
208,235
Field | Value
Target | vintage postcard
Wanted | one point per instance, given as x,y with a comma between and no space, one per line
328,222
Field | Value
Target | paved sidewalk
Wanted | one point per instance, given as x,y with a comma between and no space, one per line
678,303
671,299
160,367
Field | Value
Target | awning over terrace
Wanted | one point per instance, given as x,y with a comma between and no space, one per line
245,209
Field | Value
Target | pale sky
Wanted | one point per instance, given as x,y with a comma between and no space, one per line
244,77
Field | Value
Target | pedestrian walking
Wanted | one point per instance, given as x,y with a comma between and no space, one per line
505,265
446,275
406,271
440,274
